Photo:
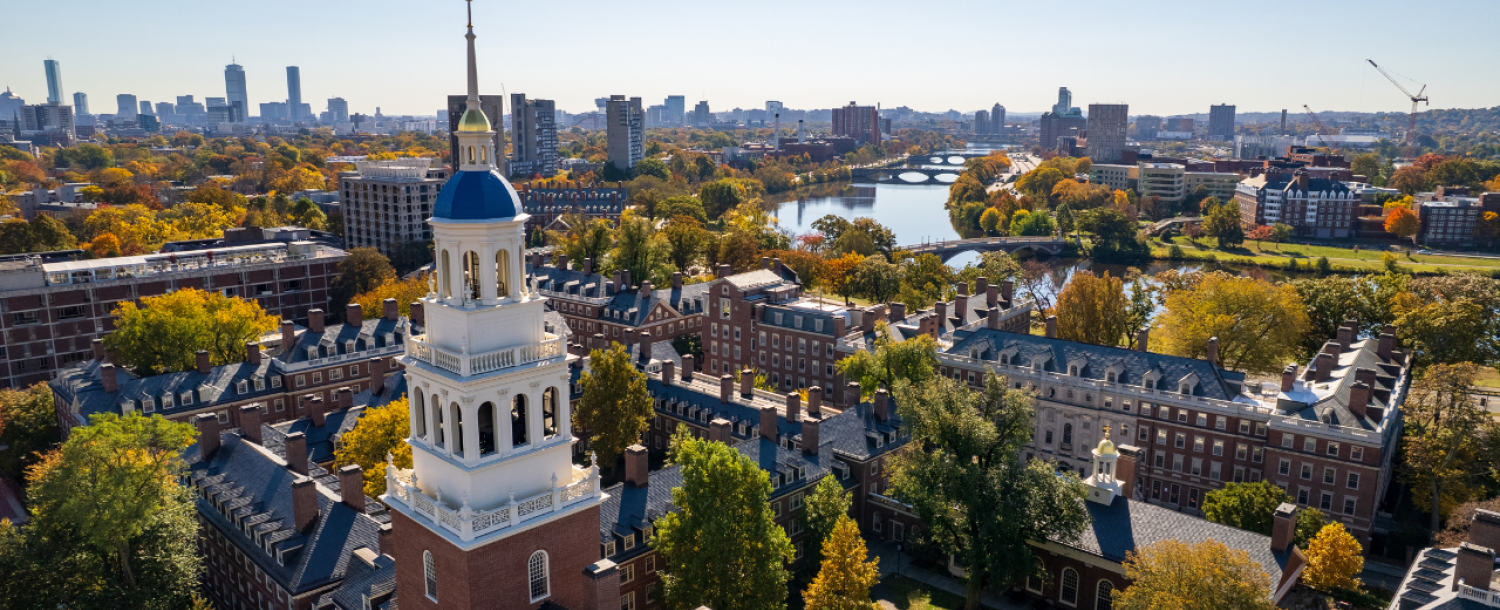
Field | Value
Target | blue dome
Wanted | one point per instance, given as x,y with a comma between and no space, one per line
476,196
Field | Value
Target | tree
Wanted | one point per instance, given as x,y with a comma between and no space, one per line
1333,560
1331,301
686,239
1310,521
1367,165
1457,529
1444,433
1402,222
363,270
651,166
1281,232
1092,309
1039,182
639,250
720,196
1222,222
1259,234
615,408
404,291
378,436
1186,576
845,579
964,475
1442,331
1410,180
585,238
1259,325
913,360
1114,234
876,279
1032,224
822,510
28,428
990,221
1065,222
163,335
1248,506
808,266
839,273
722,547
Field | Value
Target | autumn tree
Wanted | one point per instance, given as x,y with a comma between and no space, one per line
822,509
584,238
990,221
964,475
404,291
722,547
1403,222
1445,434
1248,506
378,436
362,270
28,428
839,274
808,266
1222,222
1259,234
845,578
1193,576
1310,521
164,333
686,238
1092,309
615,408
913,360
1259,325
1334,559
640,250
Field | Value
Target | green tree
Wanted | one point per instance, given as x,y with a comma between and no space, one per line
640,250
1092,309
1114,234
1310,521
821,511
1031,224
363,270
877,279
722,547
1039,182
1331,301
913,360
163,335
924,280
1367,165
380,434
673,207
1187,576
1445,436
651,166
1280,233
990,221
1248,506
720,196
964,475
28,428
1065,221
615,408
585,238
845,578
1259,325
1222,222
686,238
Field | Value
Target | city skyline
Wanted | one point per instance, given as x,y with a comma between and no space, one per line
918,63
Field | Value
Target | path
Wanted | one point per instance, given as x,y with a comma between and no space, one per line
886,552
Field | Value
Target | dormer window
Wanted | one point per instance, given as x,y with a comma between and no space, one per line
260,384
609,549
1150,384
1110,377
187,397
1184,389
275,382
242,387
629,542
349,346
1073,371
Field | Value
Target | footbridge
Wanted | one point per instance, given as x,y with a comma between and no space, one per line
946,250
892,175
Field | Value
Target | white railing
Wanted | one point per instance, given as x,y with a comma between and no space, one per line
475,364
1483,596
375,352
467,523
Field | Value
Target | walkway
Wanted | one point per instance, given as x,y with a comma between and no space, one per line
886,551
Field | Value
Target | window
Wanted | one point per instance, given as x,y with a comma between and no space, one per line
1145,434
1307,472
1103,596
1333,449
1302,495
1240,451
1329,476
1285,467
1287,440
1197,444
1348,505
1357,454
1326,502
1214,470
1069,593
1202,419
1244,426
1257,454
429,570
301,380
1310,444
1181,441
1161,437
1197,467
627,601
536,571
1182,415
1260,429
1218,447
1353,481
627,573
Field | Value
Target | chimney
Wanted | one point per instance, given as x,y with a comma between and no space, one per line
961,305
354,315
1484,528
390,310
562,261
1324,364
992,297
852,394
810,436
600,342
418,316
352,486
296,452
615,280
1366,375
882,404
718,430
898,312
588,266
345,398
645,346
625,277
941,307
747,382
768,423
993,317
98,345
1345,337
208,434
1284,532
1213,351
687,367
1474,566
1288,377
963,289
646,288
838,326
867,320
1051,327
793,407
315,320
723,271
1387,345
981,286
1008,290
252,353
668,370
1125,468
765,263
1359,397
726,387
304,503
602,588
637,466
250,423
677,280
204,367
315,409
815,401
377,375
288,336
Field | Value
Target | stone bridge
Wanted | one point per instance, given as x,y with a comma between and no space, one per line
946,250
946,158
891,175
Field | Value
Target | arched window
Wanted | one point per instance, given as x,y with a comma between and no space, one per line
1049,437
441,433
1104,596
484,154
429,573
519,433
447,278
502,274
420,416
1067,434
471,155
549,412
486,428
1069,593
471,275
458,429
536,571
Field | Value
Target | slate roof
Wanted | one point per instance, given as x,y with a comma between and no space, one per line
1329,400
1126,525
371,334
362,581
567,282
319,438
83,387
761,278
1429,583
1131,366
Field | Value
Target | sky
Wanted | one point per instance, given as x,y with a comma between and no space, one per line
1161,57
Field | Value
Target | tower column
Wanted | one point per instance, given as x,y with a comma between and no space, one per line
502,425
534,417
470,431
489,290
453,429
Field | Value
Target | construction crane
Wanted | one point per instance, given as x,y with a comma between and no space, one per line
1319,123
1409,146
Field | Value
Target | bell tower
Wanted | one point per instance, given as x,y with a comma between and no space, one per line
1103,485
493,512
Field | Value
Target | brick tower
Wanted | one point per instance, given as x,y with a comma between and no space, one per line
493,513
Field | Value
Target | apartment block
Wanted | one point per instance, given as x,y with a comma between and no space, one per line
1314,207
625,126
546,207
859,122
533,137
1106,132
387,203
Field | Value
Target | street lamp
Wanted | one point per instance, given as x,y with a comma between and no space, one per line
898,559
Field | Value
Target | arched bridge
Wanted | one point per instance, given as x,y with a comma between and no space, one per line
956,159
891,175
946,250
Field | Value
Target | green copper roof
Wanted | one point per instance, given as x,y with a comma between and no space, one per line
473,121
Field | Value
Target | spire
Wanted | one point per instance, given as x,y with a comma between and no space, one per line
473,65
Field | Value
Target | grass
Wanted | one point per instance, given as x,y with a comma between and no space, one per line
1365,258
1488,378
908,594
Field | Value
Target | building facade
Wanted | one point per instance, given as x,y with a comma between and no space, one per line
1107,124
1314,207
533,125
625,127
1449,223
386,203
1054,127
294,93
997,119
592,304
234,89
859,122
1221,122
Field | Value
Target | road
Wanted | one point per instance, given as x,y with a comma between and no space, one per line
1019,164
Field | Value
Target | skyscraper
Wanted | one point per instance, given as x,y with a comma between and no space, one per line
997,119
1106,127
127,105
338,108
1064,103
774,108
982,122
1221,122
676,109
625,122
81,103
234,88
533,127
859,122
701,114
294,92
54,81
146,107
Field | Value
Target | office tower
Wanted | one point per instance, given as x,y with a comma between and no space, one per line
146,107
338,108
1106,127
10,104
1221,122
533,127
981,122
220,111
491,106
625,122
601,103
774,108
997,119
294,92
48,117
1283,121
676,109
1146,126
859,122
81,103
127,105
54,81
1064,103
701,115
164,109
234,88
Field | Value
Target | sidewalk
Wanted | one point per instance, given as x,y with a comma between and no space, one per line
886,551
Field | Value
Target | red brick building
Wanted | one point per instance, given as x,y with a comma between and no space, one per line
859,122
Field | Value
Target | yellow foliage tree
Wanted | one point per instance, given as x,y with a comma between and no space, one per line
404,291
1093,309
1202,576
1402,222
163,334
1334,558
845,578
105,244
1259,325
298,179
379,435
116,176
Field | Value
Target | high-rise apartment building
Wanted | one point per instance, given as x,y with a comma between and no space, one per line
1106,129
387,203
234,89
1056,126
127,105
997,119
491,106
533,125
294,93
273,111
81,103
146,108
702,116
165,109
48,118
676,110
1146,126
338,109
54,81
1221,122
774,108
859,122
982,122
625,122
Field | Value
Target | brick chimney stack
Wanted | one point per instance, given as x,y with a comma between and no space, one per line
304,503
718,430
1008,290
315,409
296,452
898,312
1474,567
377,375
352,486
637,466
1143,340
1324,364
726,388
645,346
562,261
602,585
1288,377
1359,397
390,309
588,266
793,407
109,378
1051,327
668,371
941,307
768,423
98,345
1284,532
252,353
687,368
992,297
625,277
1387,345
204,367
961,304
1345,337
1484,528
852,394
810,436
882,404
208,434
288,336
981,286
815,401
418,315
1213,351
993,318
677,280
315,320
250,423
354,315
747,382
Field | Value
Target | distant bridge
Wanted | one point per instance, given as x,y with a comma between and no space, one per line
956,159
891,175
946,250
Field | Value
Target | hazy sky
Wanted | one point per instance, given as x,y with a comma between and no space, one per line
1161,57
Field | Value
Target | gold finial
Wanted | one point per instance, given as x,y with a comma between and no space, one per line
1106,431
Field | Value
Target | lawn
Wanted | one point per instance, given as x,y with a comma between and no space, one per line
1366,257
908,594
1488,378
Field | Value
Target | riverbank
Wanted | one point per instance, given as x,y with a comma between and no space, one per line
1306,257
